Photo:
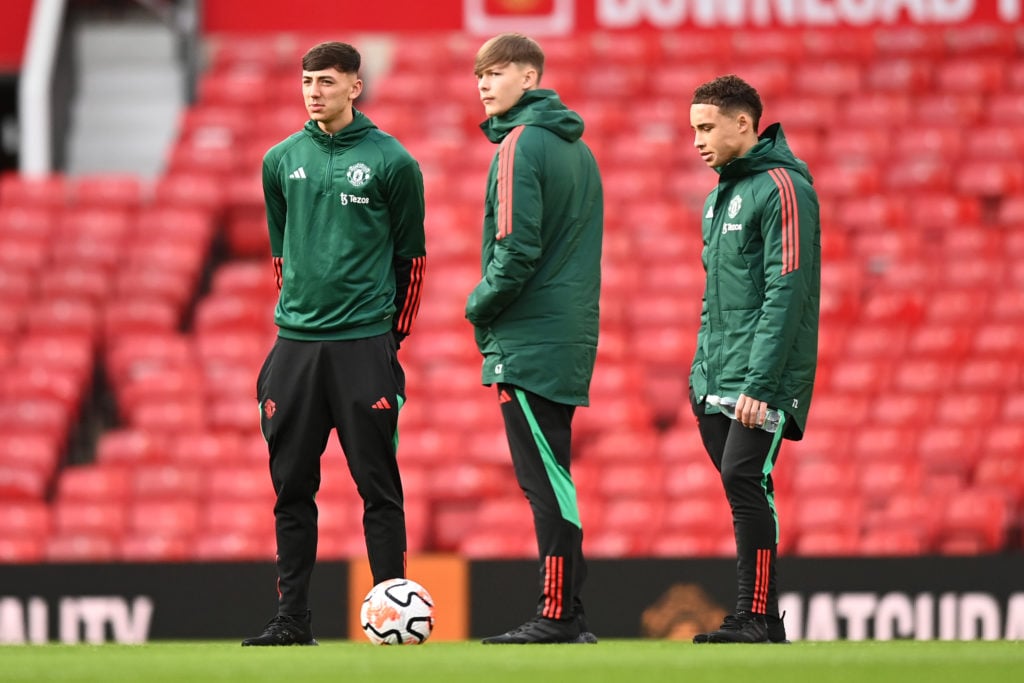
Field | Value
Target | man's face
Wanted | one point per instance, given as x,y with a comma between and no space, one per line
328,95
719,138
501,85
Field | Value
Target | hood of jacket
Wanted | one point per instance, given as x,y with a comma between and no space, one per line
348,136
771,151
536,108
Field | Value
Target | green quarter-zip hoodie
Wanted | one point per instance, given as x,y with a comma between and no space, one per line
345,216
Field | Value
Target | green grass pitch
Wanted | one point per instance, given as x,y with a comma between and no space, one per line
629,661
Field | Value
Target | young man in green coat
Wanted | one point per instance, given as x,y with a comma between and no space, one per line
757,348
535,309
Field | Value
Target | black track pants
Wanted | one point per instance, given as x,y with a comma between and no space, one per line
539,435
745,457
304,390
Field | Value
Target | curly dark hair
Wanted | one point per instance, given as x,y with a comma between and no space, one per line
730,93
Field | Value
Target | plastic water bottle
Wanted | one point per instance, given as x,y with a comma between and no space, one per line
727,405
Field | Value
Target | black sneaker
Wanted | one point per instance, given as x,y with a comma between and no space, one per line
285,630
543,630
742,627
585,637
776,630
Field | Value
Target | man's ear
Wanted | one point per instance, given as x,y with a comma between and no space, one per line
530,78
357,89
744,123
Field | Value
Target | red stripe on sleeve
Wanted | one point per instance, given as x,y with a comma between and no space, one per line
506,179
790,220
411,305
278,272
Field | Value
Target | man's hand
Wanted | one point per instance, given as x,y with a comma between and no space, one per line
750,412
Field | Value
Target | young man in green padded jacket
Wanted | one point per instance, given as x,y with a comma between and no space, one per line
758,338
345,212
535,309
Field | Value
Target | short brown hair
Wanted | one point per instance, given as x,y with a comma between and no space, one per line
510,48
340,56
730,94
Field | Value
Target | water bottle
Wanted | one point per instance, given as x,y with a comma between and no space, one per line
727,405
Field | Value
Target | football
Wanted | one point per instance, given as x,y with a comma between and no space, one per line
397,612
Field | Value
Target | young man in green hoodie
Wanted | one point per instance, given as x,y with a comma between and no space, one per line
344,204
757,348
535,309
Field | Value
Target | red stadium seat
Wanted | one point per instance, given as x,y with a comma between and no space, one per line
498,545
988,373
1001,471
925,375
677,544
205,448
916,41
159,284
1007,107
22,549
964,409
233,546
22,190
880,478
167,517
168,415
956,306
913,511
635,447
898,76
136,315
990,179
102,517
76,281
892,542
612,543
998,340
166,481
971,74
250,481
77,547
93,482
980,518
886,441
950,449
128,447
828,543
827,512
150,547
109,190
874,105
829,77
155,384
833,475
699,513
861,375
71,315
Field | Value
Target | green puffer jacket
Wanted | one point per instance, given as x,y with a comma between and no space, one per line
536,308
762,255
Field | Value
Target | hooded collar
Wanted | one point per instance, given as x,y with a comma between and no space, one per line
536,108
347,137
771,151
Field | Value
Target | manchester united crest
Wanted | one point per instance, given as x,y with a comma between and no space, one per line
358,174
